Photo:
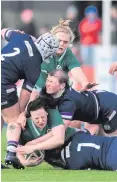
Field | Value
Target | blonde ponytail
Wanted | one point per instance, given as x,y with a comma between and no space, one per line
63,26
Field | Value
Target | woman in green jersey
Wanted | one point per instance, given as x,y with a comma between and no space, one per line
64,59
42,120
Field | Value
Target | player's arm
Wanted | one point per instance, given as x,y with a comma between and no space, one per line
113,68
56,140
75,69
40,139
79,76
8,33
40,83
77,73
67,109
30,161
3,31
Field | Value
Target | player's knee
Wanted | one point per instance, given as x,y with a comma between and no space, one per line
13,124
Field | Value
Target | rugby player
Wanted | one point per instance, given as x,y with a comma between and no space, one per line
42,120
94,107
81,150
85,151
64,59
21,59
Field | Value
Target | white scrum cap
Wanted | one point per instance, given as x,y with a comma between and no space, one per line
47,45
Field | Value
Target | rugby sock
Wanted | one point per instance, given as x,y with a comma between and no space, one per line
11,145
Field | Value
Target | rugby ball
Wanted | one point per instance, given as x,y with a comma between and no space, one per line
34,155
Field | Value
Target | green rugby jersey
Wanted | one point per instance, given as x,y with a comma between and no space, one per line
65,62
32,131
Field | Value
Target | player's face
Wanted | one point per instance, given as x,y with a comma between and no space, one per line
64,40
52,85
39,117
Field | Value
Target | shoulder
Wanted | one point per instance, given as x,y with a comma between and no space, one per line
69,52
66,101
54,117
70,57
53,112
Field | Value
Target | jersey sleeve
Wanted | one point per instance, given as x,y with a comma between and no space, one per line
10,34
32,72
55,118
67,109
72,61
42,78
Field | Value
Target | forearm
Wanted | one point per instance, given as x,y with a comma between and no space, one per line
3,31
79,76
51,143
40,139
34,95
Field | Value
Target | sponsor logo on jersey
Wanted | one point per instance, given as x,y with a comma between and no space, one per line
107,127
59,67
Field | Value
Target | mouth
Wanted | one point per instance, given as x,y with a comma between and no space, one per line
47,88
42,125
60,49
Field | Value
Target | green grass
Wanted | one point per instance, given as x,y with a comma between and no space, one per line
46,173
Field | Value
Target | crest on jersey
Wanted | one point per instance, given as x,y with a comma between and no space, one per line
59,67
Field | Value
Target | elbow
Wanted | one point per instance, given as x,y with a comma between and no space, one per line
60,142
3,31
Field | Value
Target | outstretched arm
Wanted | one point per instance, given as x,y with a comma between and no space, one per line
57,139
80,77
40,139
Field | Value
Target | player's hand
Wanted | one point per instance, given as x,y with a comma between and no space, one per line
22,120
25,149
34,160
88,86
31,161
113,68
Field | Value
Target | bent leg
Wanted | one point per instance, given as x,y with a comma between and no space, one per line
11,114
24,98
13,135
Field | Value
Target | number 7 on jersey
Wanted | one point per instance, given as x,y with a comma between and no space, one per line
87,145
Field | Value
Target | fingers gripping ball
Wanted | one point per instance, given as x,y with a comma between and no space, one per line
37,156
47,45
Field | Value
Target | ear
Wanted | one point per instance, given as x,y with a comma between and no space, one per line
63,85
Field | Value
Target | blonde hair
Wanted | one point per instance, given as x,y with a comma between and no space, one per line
63,26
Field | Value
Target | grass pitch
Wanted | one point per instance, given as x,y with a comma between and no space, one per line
46,173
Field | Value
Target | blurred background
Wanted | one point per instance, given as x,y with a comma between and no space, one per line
95,46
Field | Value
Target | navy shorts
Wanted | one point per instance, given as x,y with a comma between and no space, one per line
8,95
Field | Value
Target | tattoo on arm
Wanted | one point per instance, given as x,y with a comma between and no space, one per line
11,127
